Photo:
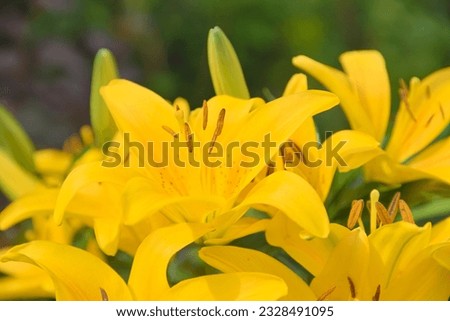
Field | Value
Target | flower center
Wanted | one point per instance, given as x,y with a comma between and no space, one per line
379,215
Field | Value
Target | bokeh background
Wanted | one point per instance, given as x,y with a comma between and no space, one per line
47,47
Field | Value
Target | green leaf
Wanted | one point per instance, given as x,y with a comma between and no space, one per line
15,141
103,72
224,66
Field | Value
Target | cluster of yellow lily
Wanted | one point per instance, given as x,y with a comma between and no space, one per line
221,230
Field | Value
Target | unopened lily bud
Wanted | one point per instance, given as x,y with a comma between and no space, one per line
104,71
224,66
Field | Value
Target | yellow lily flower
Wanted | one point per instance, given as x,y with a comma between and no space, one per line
208,185
396,261
78,275
33,195
424,112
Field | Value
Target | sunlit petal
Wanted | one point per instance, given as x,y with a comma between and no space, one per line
234,259
228,287
77,274
148,278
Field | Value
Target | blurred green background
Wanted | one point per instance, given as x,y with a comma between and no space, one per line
47,48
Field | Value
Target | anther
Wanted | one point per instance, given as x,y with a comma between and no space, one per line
324,295
442,110
352,287
428,92
382,213
393,206
403,91
170,130
104,295
205,114
376,296
189,138
270,168
219,127
405,212
355,213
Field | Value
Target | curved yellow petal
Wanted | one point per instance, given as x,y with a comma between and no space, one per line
83,176
423,114
441,231
140,112
312,253
397,244
107,232
14,180
276,121
339,83
77,274
234,259
244,227
344,150
148,277
366,70
297,84
240,286
427,277
37,203
352,271
295,197
434,160
143,198
31,287
386,170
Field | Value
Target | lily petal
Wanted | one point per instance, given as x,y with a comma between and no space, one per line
344,150
148,277
337,82
425,278
423,114
240,286
14,180
295,197
234,259
83,176
77,274
312,253
366,70
353,270
397,244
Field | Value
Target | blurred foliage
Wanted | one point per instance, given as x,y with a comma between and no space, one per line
47,47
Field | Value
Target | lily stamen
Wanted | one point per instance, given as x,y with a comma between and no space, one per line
355,213
376,296
326,294
219,127
205,114
189,137
374,197
352,288
170,131
405,212
442,111
393,206
104,295
382,213
403,92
